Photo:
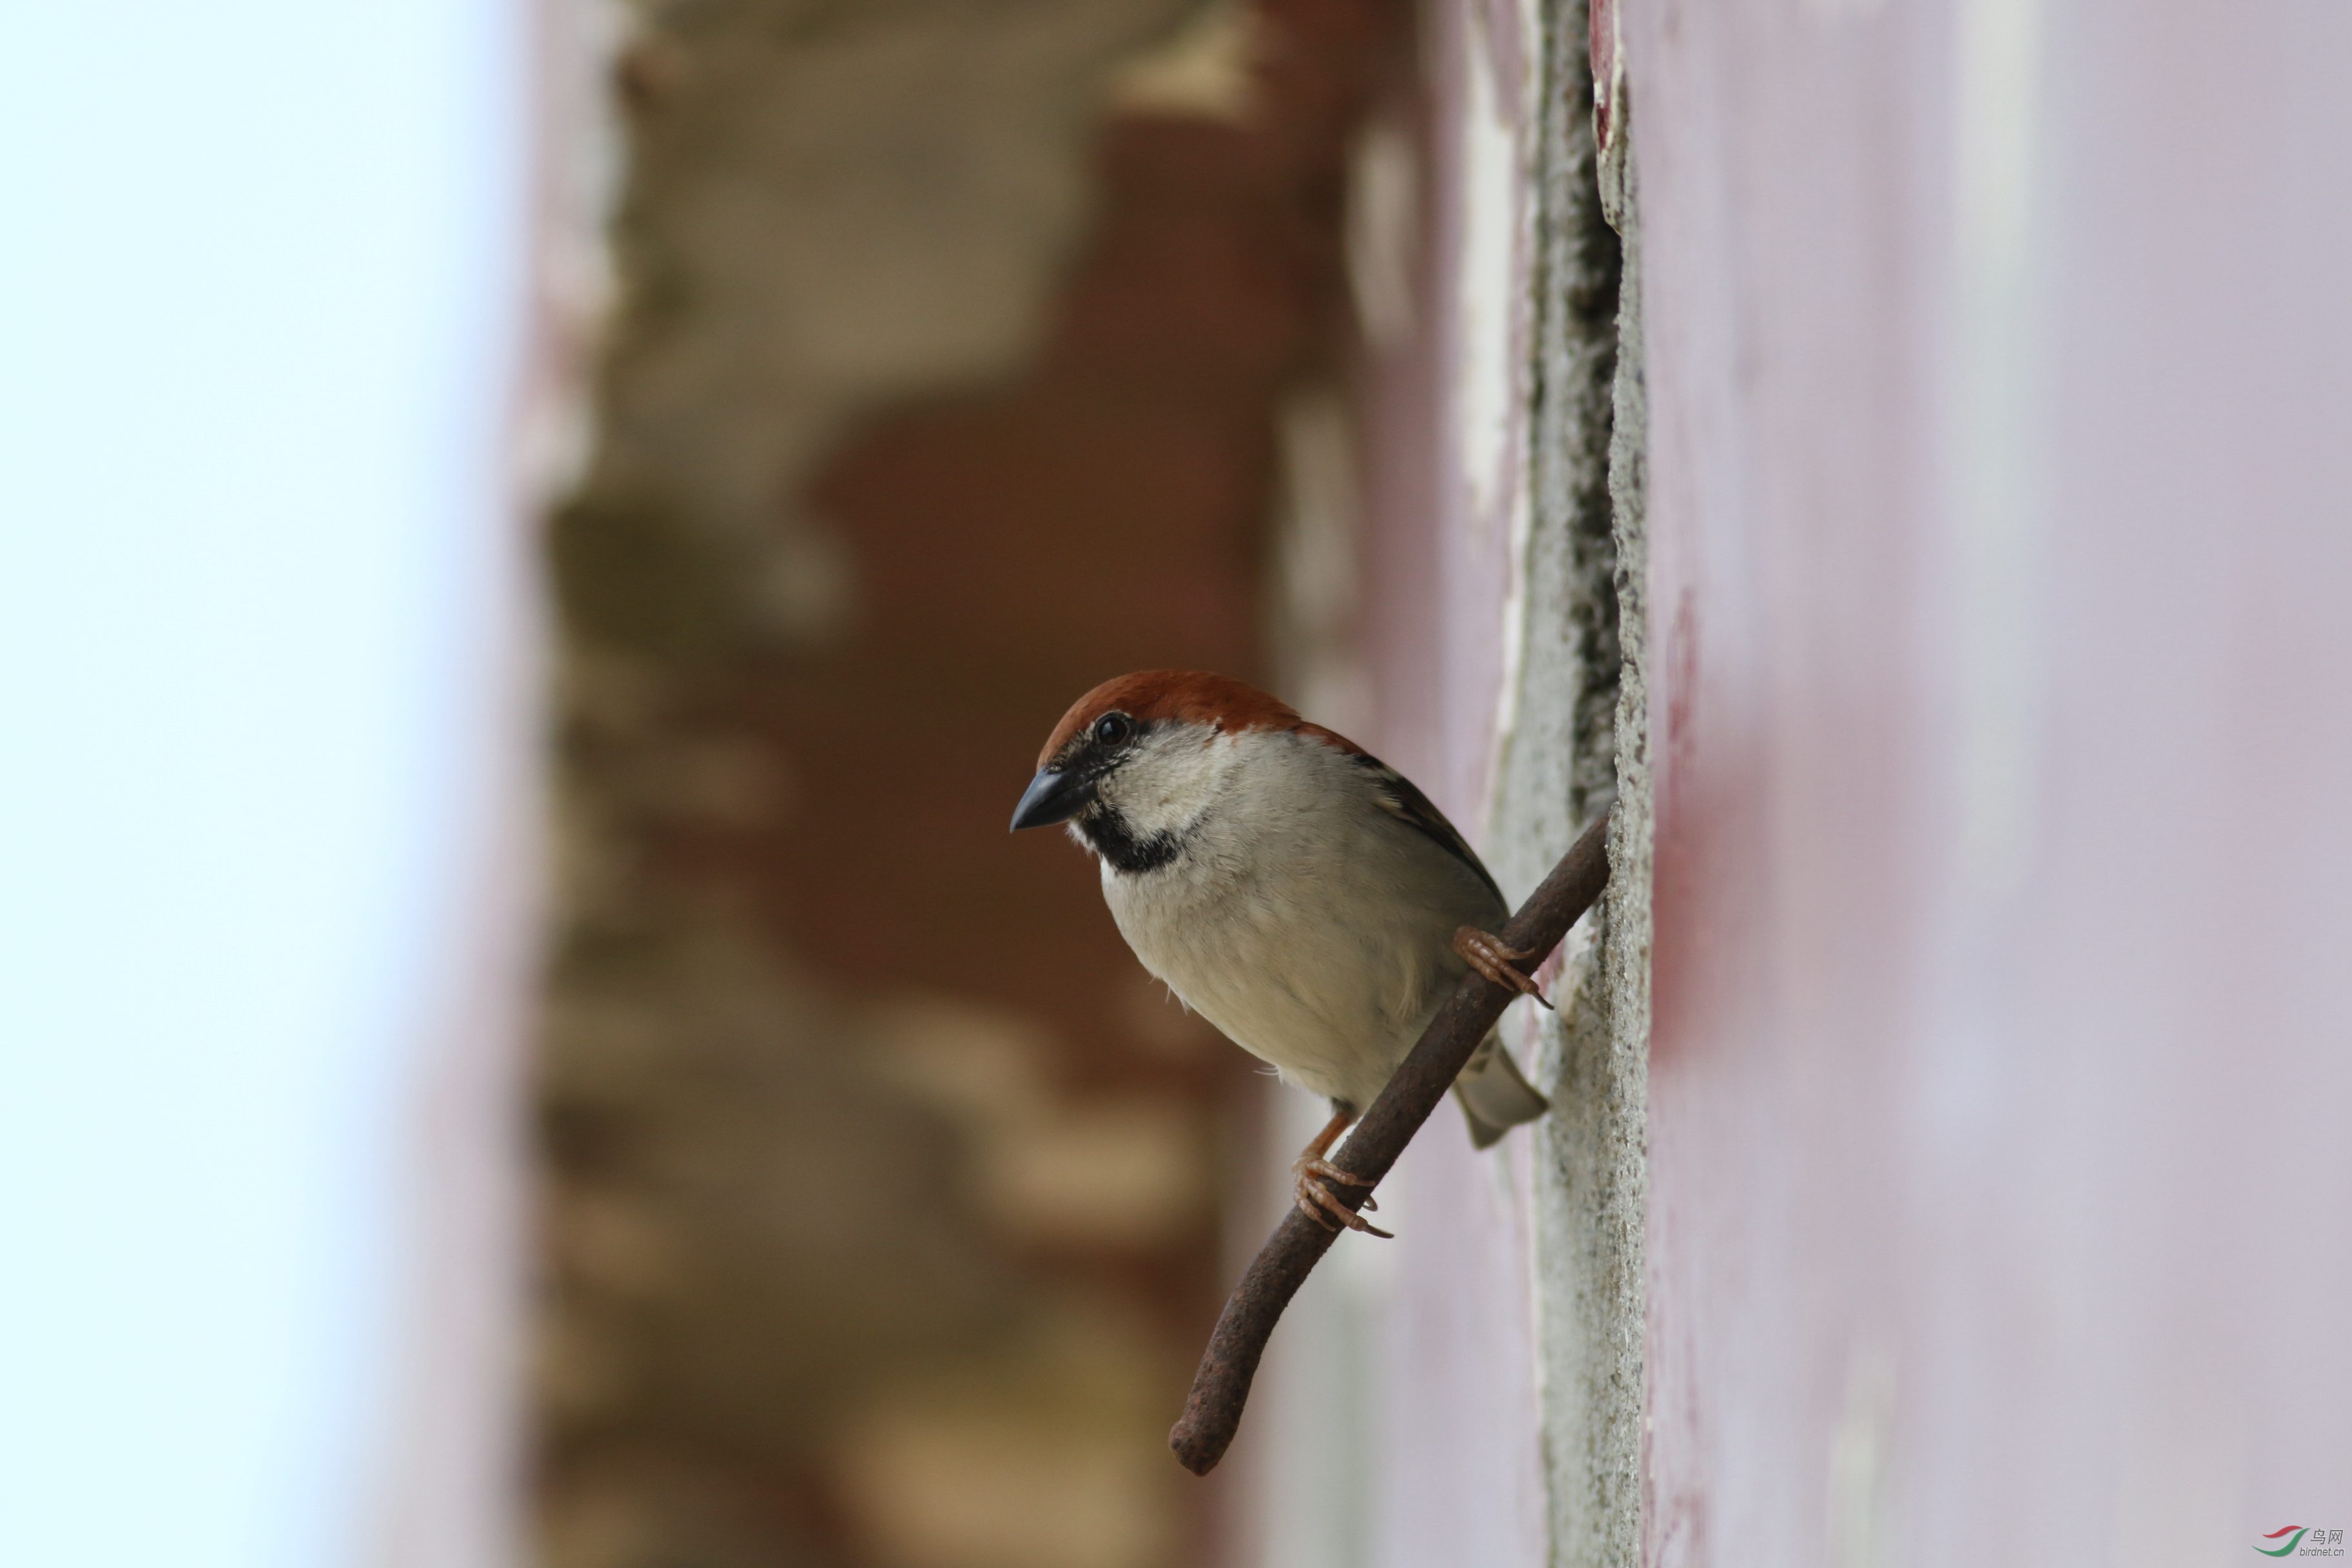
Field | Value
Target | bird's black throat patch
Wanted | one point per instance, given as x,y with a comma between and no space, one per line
1114,840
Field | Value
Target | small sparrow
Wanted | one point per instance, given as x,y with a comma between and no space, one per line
1288,887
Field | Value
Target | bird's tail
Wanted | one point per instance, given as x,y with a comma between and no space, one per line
1493,1096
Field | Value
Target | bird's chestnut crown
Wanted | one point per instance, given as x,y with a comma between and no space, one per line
1150,696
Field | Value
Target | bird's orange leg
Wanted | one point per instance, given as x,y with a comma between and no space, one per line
1485,953
1314,1173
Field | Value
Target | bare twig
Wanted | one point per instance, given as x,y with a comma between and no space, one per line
1213,1411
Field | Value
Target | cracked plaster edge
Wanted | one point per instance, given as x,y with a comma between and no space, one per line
1581,713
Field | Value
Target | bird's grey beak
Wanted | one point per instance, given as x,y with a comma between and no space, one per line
1051,797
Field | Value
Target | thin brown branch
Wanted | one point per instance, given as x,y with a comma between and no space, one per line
1213,1411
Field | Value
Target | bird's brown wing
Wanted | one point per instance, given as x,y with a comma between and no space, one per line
1408,806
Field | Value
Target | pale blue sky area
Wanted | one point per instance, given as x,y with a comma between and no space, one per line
259,280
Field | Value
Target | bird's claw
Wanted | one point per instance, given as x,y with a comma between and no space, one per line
1484,953
1322,1205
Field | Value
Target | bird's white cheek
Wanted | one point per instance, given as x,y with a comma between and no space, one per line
1166,788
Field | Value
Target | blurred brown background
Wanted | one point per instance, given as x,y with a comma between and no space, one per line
881,1187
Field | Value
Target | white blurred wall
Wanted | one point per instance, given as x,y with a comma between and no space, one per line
267,737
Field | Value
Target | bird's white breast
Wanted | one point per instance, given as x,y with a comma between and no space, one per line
1311,925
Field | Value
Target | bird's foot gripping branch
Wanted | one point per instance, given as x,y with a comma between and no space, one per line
1213,1411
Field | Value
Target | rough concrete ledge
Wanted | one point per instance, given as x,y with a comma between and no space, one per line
1581,741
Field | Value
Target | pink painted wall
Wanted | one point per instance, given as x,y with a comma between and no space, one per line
1999,365
2001,372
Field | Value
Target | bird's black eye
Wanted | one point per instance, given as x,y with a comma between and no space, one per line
1113,729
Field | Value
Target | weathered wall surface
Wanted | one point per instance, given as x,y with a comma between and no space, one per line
881,1185
1998,365
1579,746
